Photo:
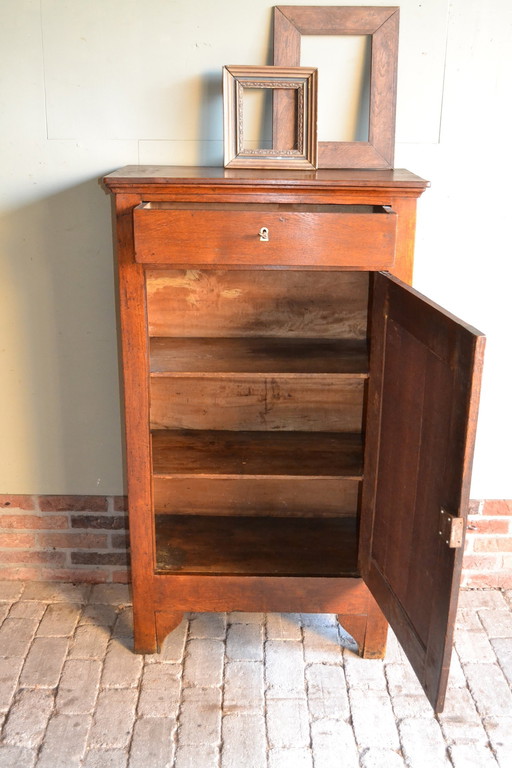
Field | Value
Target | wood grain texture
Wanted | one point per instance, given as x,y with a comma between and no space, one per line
254,207
327,20
301,153
288,454
369,628
192,181
307,403
381,23
261,496
250,303
302,594
384,68
256,545
258,356
424,383
136,411
284,304
201,236
405,231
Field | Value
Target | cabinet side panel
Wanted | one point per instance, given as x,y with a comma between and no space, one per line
405,207
136,404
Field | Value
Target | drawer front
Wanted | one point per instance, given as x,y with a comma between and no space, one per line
361,237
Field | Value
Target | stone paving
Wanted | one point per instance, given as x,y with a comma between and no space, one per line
239,690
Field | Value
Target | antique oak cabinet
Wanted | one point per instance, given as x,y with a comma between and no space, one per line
299,420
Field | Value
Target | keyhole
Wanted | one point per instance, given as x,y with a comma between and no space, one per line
264,234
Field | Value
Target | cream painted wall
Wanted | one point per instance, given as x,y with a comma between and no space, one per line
89,85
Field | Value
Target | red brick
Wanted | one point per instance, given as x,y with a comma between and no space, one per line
99,558
122,577
474,507
464,579
77,575
32,556
17,501
73,540
73,503
10,540
42,522
498,507
496,580
120,541
493,544
105,522
120,503
485,562
487,525
19,573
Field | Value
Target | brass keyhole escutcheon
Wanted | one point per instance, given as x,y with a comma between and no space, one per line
264,235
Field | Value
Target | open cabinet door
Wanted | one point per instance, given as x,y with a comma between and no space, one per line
422,406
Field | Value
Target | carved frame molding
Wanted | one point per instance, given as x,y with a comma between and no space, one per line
301,117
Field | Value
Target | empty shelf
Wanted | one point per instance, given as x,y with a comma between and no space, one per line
258,356
228,453
256,546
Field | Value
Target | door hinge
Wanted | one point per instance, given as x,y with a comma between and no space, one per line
451,529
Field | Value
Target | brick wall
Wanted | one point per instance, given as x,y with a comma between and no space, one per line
64,538
488,552
84,538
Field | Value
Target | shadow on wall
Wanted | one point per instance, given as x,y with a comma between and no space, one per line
210,133
211,120
62,360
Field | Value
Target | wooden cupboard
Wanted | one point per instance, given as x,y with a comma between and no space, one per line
299,420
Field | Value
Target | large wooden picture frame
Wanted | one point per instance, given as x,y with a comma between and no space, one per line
300,150
381,24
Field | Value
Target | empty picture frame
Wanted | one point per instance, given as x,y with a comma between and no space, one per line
291,22
299,148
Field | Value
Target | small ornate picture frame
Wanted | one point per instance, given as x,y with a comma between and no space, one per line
299,150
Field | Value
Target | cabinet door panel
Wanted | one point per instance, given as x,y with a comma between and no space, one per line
423,394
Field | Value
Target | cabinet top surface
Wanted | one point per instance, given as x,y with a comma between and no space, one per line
132,176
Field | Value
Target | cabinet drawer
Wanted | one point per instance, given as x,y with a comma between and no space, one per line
351,236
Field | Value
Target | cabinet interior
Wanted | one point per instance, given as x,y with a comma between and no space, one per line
257,383
323,208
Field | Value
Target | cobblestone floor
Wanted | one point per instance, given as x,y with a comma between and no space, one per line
238,690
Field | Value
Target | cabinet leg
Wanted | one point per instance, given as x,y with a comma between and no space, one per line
166,621
144,632
369,629
152,628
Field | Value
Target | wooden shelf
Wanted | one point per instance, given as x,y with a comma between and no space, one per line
258,356
256,497
286,454
256,545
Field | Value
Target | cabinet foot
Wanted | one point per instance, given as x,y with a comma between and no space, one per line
165,622
150,633
144,639
369,629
